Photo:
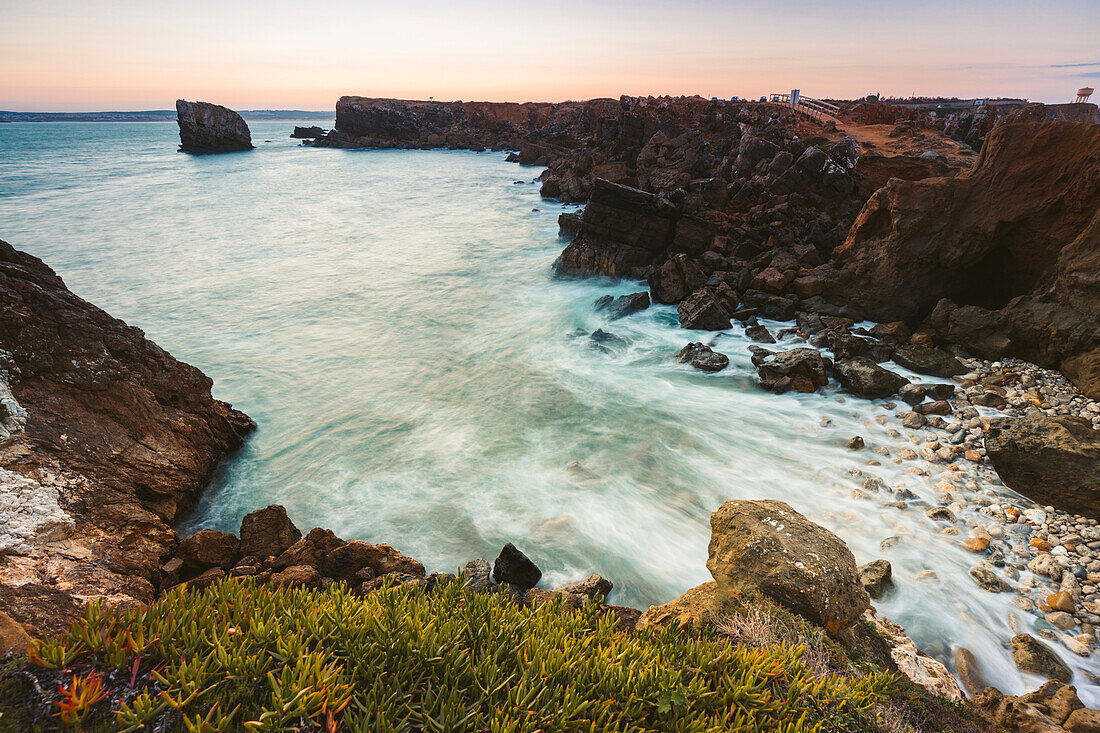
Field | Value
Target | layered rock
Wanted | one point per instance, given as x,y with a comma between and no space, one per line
1015,242
115,440
211,128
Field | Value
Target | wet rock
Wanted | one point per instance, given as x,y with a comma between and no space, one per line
920,668
1051,460
939,407
267,532
702,357
344,561
512,566
803,370
1031,655
989,580
940,514
1053,708
767,547
928,360
864,378
876,578
704,311
604,339
914,394
211,128
854,443
625,305
759,333
969,671
310,132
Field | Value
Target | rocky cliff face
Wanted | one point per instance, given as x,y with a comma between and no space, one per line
1011,249
107,440
211,128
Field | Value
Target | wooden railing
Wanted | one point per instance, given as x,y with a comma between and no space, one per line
816,109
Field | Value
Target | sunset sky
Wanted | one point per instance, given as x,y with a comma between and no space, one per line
61,55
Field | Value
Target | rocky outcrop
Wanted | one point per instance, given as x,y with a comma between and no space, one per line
211,128
307,133
1018,236
767,547
116,439
702,357
1050,460
864,378
1053,708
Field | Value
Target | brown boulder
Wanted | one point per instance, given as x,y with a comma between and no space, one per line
209,548
268,532
767,547
703,310
592,586
1051,460
310,550
211,128
296,575
696,608
343,562
1032,655
803,370
14,639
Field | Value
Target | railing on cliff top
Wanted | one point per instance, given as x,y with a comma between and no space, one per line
813,108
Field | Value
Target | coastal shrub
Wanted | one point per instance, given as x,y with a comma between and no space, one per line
241,656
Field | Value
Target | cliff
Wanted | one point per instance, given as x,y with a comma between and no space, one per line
211,128
106,440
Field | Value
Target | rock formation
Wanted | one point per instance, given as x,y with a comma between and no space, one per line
1013,246
109,440
211,128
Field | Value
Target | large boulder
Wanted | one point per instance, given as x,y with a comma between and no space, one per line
310,550
703,310
702,357
211,128
1019,234
209,548
267,532
864,378
803,370
623,231
1051,460
766,546
513,567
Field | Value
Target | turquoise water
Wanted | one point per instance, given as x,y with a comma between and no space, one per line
390,321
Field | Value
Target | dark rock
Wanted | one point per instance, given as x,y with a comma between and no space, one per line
928,360
310,550
268,532
1032,655
703,357
307,132
876,577
624,305
209,548
803,370
512,566
939,407
759,333
476,575
864,378
602,337
591,587
1050,460
704,311
211,128
344,561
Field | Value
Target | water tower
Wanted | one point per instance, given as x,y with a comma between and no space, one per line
1083,95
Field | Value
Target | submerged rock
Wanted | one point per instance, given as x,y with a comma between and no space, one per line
1032,655
702,357
876,577
211,128
624,305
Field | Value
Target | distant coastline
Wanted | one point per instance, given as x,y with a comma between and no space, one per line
159,115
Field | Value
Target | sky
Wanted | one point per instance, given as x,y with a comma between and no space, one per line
95,55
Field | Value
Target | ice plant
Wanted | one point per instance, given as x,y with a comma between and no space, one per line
78,698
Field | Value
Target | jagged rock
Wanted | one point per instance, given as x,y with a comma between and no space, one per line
592,586
767,547
310,550
534,597
344,561
476,575
308,133
512,566
624,305
128,435
1053,708
211,128
864,378
1031,655
704,311
920,668
876,577
696,608
802,370
204,579
702,357
209,548
303,575
1051,460
267,532
928,360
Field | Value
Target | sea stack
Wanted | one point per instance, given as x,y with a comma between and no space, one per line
211,128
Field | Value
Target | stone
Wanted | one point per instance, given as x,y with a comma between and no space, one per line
940,514
989,580
1046,566
211,128
1051,460
920,668
876,578
591,587
297,575
928,360
344,561
803,370
864,378
1031,655
1083,720
702,357
854,443
512,566
939,407
767,547
703,310
969,671
1061,619
209,548
307,133
14,639
626,305
205,579
977,544
535,597
759,333
476,575
695,609
310,550
268,532
1061,601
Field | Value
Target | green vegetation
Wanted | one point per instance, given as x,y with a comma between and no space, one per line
237,656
